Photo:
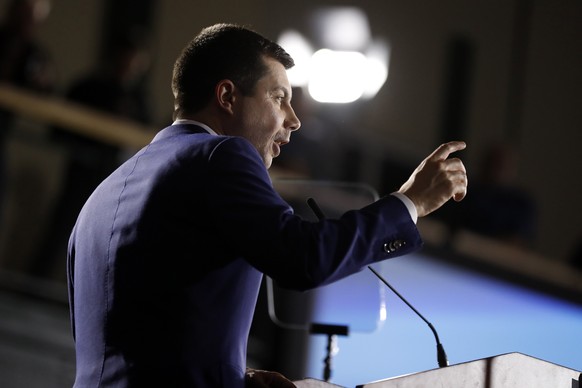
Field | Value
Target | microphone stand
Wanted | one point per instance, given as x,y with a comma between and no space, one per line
331,331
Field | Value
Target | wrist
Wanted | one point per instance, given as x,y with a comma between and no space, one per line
409,203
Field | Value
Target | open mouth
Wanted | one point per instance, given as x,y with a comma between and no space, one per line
277,144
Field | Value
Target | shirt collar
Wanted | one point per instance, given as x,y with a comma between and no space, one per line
194,122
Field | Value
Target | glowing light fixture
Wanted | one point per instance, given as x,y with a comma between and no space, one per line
337,76
342,28
300,50
351,66
378,57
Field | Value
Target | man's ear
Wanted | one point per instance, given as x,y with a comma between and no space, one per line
225,93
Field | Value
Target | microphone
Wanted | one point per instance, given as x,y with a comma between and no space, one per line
441,354
315,208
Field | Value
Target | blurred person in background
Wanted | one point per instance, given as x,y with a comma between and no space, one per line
115,86
24,62
496,207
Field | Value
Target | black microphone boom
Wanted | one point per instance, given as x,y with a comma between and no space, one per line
441,354
315,208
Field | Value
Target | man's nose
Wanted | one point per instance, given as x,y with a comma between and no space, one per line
293,122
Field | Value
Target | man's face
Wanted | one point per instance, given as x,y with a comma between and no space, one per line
266,117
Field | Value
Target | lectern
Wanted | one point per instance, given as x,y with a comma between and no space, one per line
504,371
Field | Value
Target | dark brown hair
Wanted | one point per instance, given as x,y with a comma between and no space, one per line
221,51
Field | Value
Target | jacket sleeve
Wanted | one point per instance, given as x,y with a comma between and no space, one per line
296,253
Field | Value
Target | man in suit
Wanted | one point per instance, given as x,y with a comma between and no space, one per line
167,255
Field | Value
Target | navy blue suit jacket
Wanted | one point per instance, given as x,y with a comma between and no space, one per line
167,256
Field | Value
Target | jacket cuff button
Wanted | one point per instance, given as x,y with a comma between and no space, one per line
393,246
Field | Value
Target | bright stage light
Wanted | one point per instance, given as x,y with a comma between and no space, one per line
349,67
345,76
300,50
337,76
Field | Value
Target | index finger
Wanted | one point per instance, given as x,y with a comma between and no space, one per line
444,150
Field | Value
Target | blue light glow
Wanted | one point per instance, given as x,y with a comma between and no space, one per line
476,317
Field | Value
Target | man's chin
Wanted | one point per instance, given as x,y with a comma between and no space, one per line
268,161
